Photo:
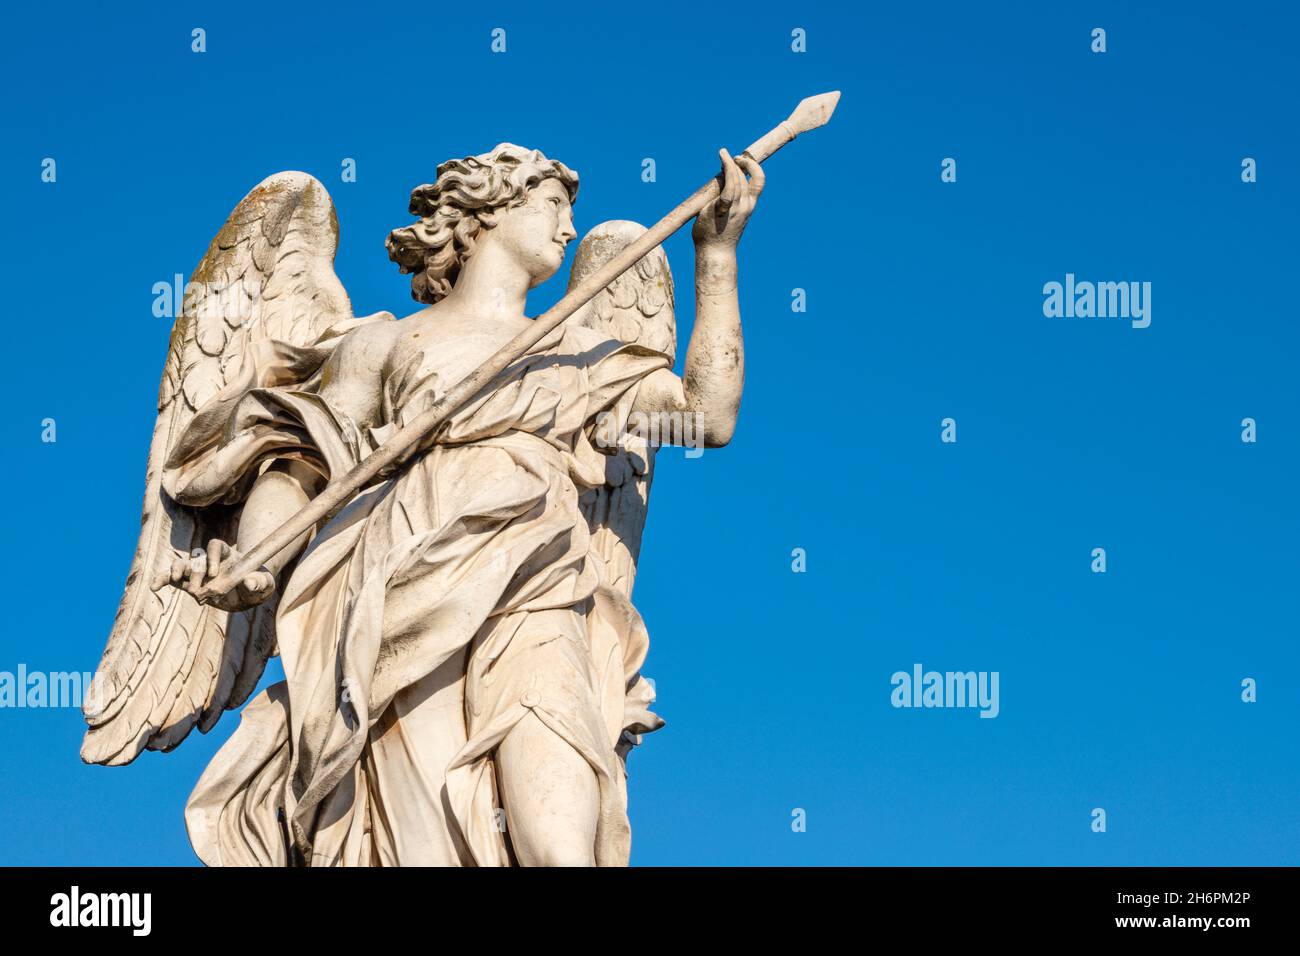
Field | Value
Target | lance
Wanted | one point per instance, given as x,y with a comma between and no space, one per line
811,113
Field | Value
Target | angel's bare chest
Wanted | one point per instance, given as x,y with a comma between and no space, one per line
448,346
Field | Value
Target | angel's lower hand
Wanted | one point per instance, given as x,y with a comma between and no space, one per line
193,573
722,221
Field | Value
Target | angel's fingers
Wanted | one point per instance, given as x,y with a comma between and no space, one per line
161,578
732,180
215,547
259,583
180,567
757,178
198,566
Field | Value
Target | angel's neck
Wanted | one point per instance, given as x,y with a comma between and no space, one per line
490,285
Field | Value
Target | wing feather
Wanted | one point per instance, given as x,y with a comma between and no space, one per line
637,307
172,664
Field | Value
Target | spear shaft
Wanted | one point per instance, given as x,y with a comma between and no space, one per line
811,113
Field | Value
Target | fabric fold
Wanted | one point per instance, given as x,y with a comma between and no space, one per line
444,604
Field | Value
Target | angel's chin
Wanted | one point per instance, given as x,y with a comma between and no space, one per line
547,269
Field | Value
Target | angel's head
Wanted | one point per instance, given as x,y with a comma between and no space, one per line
513,197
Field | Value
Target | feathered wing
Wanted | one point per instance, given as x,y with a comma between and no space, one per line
637,308
171,663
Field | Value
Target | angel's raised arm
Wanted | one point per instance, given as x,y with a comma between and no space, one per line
715,359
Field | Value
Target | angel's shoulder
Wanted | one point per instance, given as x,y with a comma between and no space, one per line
370,341
360,355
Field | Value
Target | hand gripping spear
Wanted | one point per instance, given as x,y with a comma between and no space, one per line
811,113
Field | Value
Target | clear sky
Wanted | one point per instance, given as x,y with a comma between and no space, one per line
1120,691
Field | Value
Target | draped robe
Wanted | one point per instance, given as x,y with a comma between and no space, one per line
445,603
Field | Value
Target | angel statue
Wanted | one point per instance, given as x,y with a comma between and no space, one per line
462,659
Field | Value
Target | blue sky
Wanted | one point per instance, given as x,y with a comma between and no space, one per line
924,301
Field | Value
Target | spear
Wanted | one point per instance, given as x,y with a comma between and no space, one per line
811,113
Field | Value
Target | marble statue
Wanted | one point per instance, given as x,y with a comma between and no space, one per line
462,658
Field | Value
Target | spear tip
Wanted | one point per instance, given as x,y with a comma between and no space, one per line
814,111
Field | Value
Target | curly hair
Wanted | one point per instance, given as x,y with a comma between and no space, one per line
463,200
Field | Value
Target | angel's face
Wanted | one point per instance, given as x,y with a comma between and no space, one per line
536,232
